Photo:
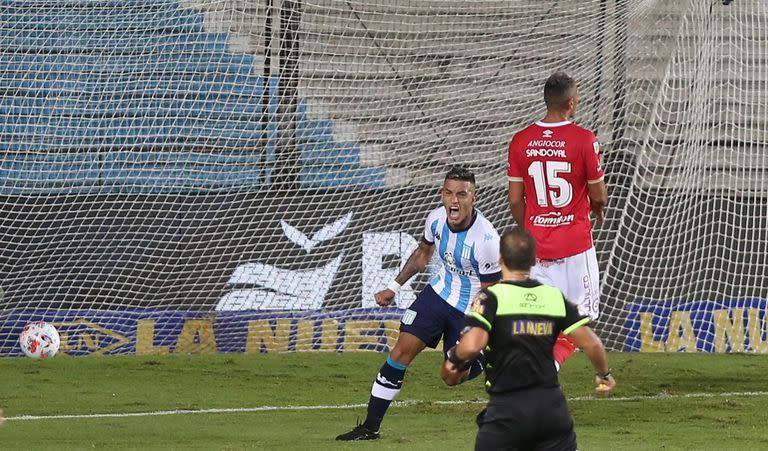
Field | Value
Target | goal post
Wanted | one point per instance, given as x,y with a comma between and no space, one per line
243,175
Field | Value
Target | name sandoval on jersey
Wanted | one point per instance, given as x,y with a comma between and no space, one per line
547,148
553,219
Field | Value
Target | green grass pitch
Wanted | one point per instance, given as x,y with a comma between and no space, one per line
302,401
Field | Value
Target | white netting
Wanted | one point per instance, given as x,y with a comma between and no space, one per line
243,175
692,231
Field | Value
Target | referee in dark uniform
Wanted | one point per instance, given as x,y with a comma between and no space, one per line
518,320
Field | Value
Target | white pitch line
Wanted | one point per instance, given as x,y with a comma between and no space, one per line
405,403
664,396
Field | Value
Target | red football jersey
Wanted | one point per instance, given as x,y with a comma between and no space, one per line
556,162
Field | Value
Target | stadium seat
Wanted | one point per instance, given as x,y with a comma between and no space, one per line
137,89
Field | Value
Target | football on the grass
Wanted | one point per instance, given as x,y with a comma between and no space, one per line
39,340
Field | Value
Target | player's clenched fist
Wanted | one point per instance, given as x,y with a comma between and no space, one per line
384,297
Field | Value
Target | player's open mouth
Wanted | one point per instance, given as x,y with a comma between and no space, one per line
453,213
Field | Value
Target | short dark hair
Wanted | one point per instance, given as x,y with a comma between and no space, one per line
460,173
558,89
518,249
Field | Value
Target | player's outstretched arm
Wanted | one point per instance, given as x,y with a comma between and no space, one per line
416,263
590,343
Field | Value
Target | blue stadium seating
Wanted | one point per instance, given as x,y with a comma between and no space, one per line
171,171
100,65
127,42
127,16
29,172
318,153
135,96
308,131
343,176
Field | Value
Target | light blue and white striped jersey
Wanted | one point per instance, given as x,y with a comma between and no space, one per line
468,257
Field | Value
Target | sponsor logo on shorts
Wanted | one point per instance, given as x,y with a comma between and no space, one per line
408,317
548,263
588,305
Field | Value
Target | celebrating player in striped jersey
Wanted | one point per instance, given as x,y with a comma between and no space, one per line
468,248
555,179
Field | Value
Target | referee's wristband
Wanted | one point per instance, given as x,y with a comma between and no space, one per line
394,286
605,375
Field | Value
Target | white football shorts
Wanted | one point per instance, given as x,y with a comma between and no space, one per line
576,276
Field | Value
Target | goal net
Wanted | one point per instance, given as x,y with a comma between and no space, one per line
244,175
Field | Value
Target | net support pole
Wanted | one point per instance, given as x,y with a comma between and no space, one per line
602,7
265,94
287,153
619,64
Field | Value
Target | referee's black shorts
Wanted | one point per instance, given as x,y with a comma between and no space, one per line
532,419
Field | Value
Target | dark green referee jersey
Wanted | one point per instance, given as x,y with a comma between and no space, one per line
524,320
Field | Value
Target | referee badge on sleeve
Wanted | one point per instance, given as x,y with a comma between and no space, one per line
478,303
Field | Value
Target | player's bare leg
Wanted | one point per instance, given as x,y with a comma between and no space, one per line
407,347
386,386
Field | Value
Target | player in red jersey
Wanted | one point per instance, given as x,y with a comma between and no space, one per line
555,180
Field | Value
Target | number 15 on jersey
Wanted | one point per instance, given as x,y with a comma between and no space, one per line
551,189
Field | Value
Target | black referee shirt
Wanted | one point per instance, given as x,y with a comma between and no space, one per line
524,320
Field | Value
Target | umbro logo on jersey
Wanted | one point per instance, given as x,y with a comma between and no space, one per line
547,133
